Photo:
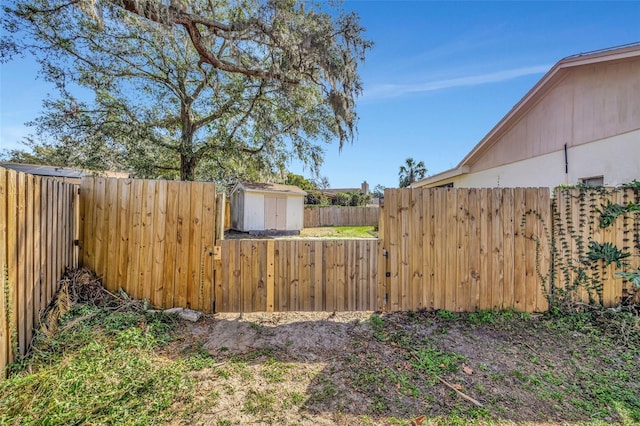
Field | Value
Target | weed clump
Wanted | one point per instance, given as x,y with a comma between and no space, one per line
95,364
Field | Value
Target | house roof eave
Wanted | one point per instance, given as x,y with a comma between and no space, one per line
447,174
553,76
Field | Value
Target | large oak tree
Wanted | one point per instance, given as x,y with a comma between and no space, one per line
202,89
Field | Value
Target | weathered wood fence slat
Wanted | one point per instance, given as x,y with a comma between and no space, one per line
316,216
299,275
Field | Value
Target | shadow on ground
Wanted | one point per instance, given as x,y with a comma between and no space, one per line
363,368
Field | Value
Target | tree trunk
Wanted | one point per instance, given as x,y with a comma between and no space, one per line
187,168
188,161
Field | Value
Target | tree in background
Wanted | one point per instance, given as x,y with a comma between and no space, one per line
342,199
210,90
411,171
301,182
358,199
378,191
323,183
316,198
353,199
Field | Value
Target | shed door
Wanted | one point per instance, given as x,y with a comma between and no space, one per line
275,213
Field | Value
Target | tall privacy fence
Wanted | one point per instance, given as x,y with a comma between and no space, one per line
444,248
154,239
465,249
37,229
511,248
315,216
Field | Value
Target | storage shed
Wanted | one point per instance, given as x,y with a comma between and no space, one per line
265,207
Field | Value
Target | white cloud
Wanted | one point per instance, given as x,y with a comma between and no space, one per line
396,90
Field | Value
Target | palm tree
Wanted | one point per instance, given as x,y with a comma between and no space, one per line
411,171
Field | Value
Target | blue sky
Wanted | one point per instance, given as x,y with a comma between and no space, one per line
440,76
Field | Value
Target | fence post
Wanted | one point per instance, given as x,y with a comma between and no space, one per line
270,276
220,216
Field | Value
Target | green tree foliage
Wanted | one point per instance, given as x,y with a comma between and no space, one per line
316,198
216,89
411,171
301,182
359,199
351,199
342,199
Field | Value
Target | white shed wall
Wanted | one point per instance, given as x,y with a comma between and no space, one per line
295,213
253,212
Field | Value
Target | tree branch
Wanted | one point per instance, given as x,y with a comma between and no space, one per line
170,15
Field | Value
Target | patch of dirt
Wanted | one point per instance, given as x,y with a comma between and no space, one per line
300,335
355,369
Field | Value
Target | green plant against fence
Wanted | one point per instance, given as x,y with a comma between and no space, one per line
596,246
610,212
594,238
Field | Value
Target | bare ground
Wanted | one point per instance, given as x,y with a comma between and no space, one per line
360,368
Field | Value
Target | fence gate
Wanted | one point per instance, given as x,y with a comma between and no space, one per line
299,275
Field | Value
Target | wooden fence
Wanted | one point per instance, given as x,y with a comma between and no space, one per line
37,232
340,216
465,249
577,224
445,248
299,275
153,239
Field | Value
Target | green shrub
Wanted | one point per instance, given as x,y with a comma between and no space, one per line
316,198
342,199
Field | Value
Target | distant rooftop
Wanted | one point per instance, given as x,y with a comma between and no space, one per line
53,171
58,172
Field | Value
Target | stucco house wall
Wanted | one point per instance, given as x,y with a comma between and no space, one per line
582,120
599,158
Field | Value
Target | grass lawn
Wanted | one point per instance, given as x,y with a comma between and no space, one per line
324,232
329,232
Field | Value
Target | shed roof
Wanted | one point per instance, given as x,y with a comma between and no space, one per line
557,72
270,187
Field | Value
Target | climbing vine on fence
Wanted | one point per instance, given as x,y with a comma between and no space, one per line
9,312
595,240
